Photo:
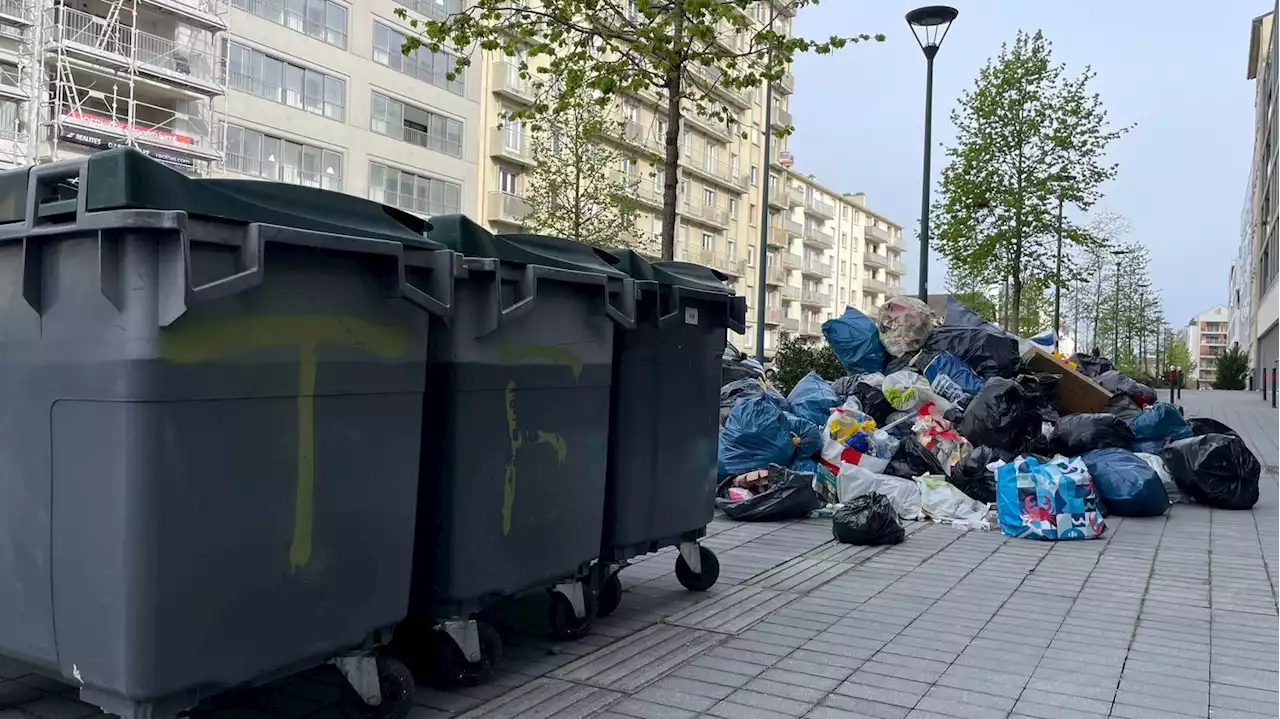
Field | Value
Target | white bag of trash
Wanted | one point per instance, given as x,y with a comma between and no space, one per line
903,494
943,502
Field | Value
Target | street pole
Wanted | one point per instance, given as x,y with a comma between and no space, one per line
762,255
1115,345
1057,282
929,53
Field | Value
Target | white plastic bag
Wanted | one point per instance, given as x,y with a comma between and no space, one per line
907,390
1170,488
903,494
944,502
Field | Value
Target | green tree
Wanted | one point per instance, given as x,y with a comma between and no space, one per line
1179,358
797,356
1027,138
575,189
1233,369
687,54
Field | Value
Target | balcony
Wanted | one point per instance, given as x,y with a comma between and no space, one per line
811,328
873,285
815,237
778,237
791,324
795,197
779,119
819,208
636,135
708,126
815,298
793,228
708,167
707,214
872,259
817,268
877,235
779,158
792,261
787,84
192,65
507,208
642,189
790,294
16,12
207,14
509,144
773,315
777,198
709,79
508,83
710,258
774,275
896,267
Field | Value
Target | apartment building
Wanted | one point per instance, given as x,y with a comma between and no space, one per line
1264,305
1206,339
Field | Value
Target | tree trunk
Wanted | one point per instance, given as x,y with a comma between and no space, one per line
578,153
671,145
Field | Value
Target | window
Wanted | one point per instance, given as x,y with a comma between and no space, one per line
415,193
321,19
751,257
708,197
433,9
10,119
250,152
733,207
416,126
628,166
732,247
261,75
708,241
844,240
508,182
660,130
422,64
751,214
630,111
844,211
735,164
844,267
755,174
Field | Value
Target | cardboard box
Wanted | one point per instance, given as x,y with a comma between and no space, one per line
1076,392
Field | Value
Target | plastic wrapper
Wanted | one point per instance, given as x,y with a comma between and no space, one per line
975,475
855,340
1054,500
1170,487
912,460
938,436
904,323
749,387
867,520
988,351
1216,470
1042,389
1200,426
1079,433
1128,486
907,390
943,502
945,364
812,399
1002,416
903,494
756,435
1115,381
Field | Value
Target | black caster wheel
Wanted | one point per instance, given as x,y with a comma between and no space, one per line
396,683
610,596
700,582
454,669
564,624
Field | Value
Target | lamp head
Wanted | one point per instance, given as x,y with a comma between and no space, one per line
930,25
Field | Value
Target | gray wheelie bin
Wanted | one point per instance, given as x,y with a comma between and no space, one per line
664,421
515,439
210,426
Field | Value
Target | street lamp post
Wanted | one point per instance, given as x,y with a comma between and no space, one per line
1115,346
929,25
1059,178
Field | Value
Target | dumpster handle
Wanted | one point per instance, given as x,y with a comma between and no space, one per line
676,315
257,235
623,314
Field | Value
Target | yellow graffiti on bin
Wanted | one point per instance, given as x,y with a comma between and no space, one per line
511,355
200,341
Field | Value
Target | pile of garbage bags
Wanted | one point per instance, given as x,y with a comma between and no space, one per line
945,422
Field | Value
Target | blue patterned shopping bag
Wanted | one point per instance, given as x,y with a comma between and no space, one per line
1054,500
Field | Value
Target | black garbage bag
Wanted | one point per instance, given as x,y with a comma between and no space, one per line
1042,388
1123,406
743,388
790,496
972,477
1001,415
1091,366
873,402
914,361
1079,433
869,519
1116,381
988,351
1207,425
1216,470
911,460
843,388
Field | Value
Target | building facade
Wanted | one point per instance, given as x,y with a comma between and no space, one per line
1264,71
1206,339
318,93
1240,284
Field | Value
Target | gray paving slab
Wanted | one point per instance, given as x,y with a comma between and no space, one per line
1174,616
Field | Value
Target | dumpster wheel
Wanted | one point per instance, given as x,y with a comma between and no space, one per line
396,684
565,623
453,667
610,596
702,580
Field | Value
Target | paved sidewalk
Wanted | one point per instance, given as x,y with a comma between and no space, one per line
1163,618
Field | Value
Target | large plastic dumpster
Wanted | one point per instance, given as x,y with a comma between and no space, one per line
210,426
515,438
664,421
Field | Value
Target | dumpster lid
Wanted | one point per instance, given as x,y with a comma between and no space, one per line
672,273
459,233
124,178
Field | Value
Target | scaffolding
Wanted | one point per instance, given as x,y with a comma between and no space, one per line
17,80
146,74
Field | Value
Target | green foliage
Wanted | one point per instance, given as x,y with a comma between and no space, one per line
677,54
574,189
1027,139
1180,358
797,356
1233,369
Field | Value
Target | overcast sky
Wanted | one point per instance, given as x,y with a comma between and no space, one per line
1176,68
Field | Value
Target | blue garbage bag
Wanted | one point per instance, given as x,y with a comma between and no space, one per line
812,398
756,435
1160,421
1129,487
856,341
948,364
808,436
